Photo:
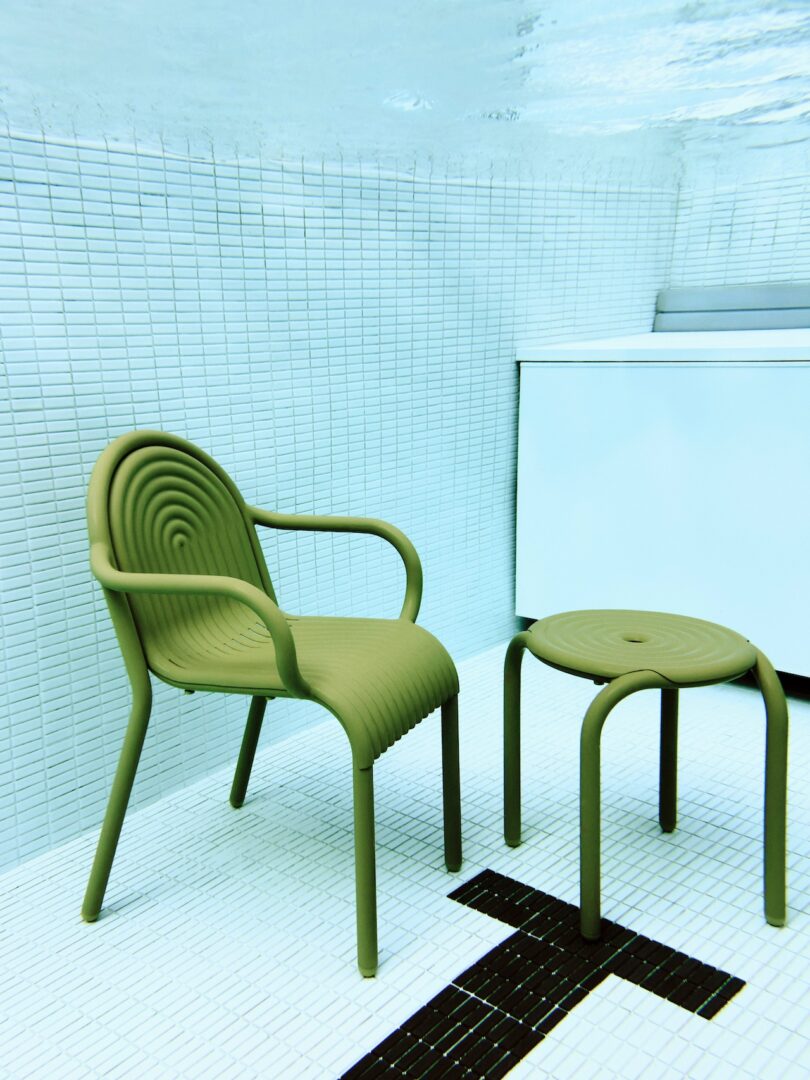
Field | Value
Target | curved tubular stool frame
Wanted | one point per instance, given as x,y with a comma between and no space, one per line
175,548
621,686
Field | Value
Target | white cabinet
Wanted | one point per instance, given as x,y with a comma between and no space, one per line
647,479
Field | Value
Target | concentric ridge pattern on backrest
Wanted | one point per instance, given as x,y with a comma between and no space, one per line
170,510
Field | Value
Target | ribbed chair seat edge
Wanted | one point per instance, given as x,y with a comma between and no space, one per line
380,677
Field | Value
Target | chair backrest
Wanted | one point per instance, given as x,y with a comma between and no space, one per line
773,306
163,506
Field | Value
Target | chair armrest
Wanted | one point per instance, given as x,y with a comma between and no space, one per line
327,523
210,585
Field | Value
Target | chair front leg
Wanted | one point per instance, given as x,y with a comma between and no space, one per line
119,798
451,784
365,871
776,756
247,751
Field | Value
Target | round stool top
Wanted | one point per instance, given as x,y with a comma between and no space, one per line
606,644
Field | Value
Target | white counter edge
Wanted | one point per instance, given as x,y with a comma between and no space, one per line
718,346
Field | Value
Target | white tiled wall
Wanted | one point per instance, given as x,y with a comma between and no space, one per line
340,339
738,234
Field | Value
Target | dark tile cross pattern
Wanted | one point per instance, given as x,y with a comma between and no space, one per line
496,1011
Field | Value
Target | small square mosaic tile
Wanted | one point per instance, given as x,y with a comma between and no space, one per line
226,946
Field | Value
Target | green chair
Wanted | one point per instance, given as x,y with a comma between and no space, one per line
175,548
639,650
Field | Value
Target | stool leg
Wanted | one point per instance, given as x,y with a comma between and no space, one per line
589,792
511,739
776,752
668,775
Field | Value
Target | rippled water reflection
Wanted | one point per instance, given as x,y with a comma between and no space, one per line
606,68
461,79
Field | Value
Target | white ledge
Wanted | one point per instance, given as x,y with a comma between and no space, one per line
689,346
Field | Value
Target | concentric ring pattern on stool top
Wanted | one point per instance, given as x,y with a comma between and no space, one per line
609,643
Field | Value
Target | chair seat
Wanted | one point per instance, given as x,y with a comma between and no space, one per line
379,676
606,644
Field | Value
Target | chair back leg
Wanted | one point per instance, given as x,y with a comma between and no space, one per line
247,751
668,774
451,784
365,871
119,799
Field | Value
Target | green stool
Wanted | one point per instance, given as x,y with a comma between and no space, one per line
640,650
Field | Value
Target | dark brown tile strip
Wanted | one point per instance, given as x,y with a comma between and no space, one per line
504,1004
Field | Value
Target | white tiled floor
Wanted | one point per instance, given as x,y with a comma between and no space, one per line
226,946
